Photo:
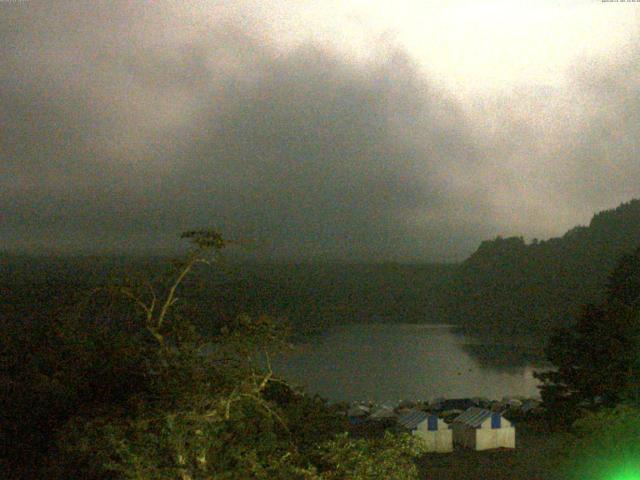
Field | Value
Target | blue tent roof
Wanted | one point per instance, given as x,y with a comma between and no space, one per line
475,416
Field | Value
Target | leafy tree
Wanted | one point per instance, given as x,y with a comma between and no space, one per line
212,408
606,445
363,459
56,361
598,359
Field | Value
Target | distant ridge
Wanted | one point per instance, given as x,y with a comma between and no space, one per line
506,286
509,286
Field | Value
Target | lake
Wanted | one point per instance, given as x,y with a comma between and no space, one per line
387,363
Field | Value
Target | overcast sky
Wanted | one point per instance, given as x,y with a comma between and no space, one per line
362,129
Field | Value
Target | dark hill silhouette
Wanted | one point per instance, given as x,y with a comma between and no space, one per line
510,286
507,286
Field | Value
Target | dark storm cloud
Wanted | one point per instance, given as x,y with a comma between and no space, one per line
321,157
124,124
304,151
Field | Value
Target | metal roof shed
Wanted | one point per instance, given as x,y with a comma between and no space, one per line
481,429
435,433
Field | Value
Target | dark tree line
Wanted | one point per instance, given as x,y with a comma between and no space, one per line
509,286
598,359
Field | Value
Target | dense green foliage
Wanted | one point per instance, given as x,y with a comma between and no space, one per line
598,359
127,387
54,361
390,457
606,446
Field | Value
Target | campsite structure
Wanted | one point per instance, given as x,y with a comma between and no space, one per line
358,414
481,429
383,413
435,433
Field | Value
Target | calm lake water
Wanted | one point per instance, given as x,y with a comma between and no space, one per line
388,363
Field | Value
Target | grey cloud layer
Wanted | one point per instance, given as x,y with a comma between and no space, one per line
565,153
120,135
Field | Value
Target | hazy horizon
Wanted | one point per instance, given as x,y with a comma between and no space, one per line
247,253
337,130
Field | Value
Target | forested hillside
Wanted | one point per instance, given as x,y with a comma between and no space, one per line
508,286
311,296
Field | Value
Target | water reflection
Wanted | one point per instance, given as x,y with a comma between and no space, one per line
504,353
387,363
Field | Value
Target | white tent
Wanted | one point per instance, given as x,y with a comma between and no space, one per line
482,429
434,432
382,413
358,411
